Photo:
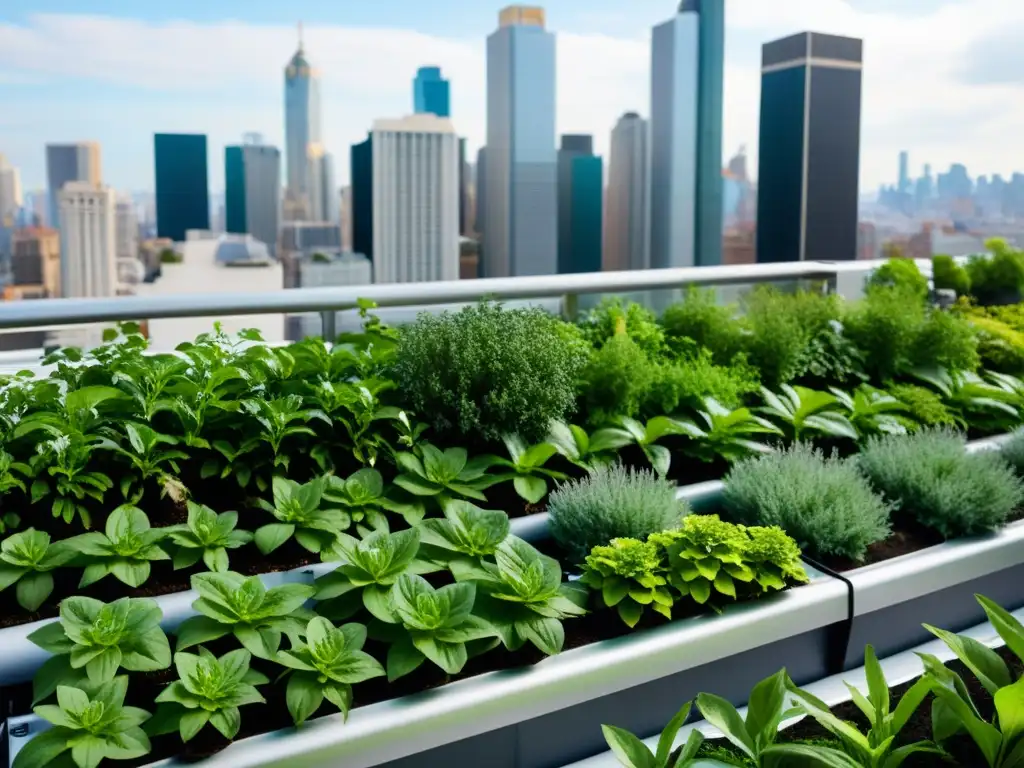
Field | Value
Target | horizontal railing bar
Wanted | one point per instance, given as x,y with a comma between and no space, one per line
32,314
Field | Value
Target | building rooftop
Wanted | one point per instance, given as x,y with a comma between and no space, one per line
421,123
521,16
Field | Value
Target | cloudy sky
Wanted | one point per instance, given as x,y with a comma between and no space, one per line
943,78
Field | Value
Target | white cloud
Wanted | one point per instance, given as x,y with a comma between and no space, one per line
119,80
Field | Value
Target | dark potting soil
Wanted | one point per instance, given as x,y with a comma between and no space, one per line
961,748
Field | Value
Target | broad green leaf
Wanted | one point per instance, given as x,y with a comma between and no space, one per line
668,736
304,697
1010,709
630,751
723,715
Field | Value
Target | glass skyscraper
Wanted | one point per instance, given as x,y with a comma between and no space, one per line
362,197
521,232
301,124
687,75
252,203
580,205
182,189
430,92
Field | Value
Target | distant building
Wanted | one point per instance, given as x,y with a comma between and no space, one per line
687,74
252,204
69,162
904,179
126,223
35,260
808,196
415,200
323,193
431,93
182,189
88,235
346,218
302,129
481,192
580,205
310,236
463,188
362,197
10,191
626,243
520,216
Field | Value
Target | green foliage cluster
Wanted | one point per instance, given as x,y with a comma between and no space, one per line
997,277
901,274
950,276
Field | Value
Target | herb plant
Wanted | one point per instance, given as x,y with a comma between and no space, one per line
125,549
720,432
807,413
465,532
629,576
151,457
300,513
645,436
871,411
27,559
444,474
526,467
207,536
363,499
633,753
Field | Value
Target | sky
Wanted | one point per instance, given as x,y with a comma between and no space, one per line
943,79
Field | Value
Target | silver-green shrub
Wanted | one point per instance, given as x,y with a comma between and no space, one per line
1012,452
821,501
932,480
612,503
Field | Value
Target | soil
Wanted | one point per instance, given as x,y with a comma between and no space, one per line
961,748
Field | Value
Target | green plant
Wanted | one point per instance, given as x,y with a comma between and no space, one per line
521,595
125,549
230,604
12,476
633,753
1012,452
325,667
208,690
807,412
150,461
299,513
573,443
93,641
611,503
924,407
613,316
445,474
94,726
465,532
362,498
27,559
727,434
487,371
870,411
629,576
527,470
699,320
822,502
967,394
66,460
932,480
616,381
430,624
998,277
207,536
682,385
629,431
903,275
950,276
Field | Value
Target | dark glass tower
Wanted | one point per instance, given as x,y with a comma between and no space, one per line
234,191
580,205
182,190
809,149
431,93
362,198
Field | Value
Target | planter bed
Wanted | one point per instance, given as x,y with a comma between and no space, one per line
550,713
900,670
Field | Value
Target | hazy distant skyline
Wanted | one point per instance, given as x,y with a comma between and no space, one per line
943,78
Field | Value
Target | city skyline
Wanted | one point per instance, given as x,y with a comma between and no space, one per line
128,79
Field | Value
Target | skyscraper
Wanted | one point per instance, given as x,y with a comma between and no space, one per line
182,190
88,240
687,73
521,231
69,162
324,204
904,180
415,200
126,224
463,187
252,197
627,226
481,190
362,197
807,197
301,127
580,205
10,191
431,93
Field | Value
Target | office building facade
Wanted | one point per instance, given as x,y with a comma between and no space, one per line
687,75
302,128
627,226
324,204
182,186
252,197
10,193
431,93
88,235
35,259
415,200
580,205
362,197
521,223
807,201
126,223
66,163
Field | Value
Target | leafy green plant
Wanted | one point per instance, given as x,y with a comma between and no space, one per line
932,480
997,278
633,753
1012,452
774,558
526,466
871,411
486,371
94,640
727,433
700,320
806,412
27,559
65,459
903,275
207,536
299,513
967,396
611,503
150,460
432,624
444,474
924,407
465,532
125,549
613,315
280,419
573,443
522,596
616,380
94,726
948,275
363,499
325,667
231,604
629,576
12,476
682,385
208,690
822,502
645,436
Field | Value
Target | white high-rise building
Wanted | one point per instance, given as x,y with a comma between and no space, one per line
626,243
415,199
127,224
10,190
88,240
323,195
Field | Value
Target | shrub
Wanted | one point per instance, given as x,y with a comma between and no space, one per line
833,360
1013,452
999,278
924,407
616,380
945,340
902,274
684,385
486,371
822,502
932,480
950,276
612,503
599,325
1000,347
699,320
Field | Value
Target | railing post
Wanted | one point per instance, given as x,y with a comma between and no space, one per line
328,325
